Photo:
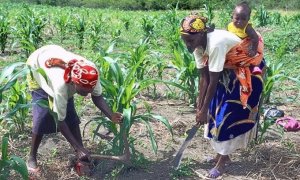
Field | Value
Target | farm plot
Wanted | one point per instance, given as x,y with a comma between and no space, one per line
146,73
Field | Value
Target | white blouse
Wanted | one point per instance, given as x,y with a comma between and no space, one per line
54,85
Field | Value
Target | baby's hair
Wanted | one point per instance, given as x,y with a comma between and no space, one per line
244,5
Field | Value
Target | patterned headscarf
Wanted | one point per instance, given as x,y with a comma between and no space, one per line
81,73
193,24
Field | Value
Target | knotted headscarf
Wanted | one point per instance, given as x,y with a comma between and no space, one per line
81,73
76,71
193,24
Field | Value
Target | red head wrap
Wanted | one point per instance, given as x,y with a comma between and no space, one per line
81,73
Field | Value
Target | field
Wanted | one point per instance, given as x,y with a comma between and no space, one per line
146,73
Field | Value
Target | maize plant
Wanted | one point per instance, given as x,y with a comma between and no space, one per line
139,54
126,22
11,162
209,13
148,26
274,72
224,17
95,29
121,87
17,105
262,16
29,30
187,74
275,18
80,28
4,32
15,110
115,35
172,20
62,23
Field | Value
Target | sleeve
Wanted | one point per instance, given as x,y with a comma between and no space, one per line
98,89
60,102
199,58
217,58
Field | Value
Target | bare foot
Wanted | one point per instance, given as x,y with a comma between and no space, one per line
33,170
32,162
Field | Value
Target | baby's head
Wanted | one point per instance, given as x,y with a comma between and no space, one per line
241,14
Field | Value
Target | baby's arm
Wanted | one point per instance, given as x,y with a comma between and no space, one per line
254,40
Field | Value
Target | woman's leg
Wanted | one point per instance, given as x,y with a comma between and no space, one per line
73,121
35,142
216,159
42,123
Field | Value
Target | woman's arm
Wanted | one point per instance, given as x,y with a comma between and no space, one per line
203,84
82,153
208,87
102,105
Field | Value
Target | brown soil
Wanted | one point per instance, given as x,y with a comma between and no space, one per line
277,157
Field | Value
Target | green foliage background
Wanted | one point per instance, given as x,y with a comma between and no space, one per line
160,4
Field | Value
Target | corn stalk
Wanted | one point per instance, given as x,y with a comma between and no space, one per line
95,30
15,110
62,22
4,31
187,75
80,28
121,87
11,162
29,30
262,16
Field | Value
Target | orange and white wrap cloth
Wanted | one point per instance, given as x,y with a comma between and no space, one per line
237,58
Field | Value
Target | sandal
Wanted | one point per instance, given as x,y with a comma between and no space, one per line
214,173
273,113
256,70
289,124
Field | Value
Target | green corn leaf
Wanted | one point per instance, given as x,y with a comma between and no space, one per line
43,103
128,91
109,87
104,121
110,48
151,135
43,73
8,85
150,116
15,77
8,70
297,80
127,119
20,167
16,109
163,120
177,61
120,96
117,73
4,155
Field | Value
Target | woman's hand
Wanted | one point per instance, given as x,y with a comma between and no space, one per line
117,118
201,117
83,154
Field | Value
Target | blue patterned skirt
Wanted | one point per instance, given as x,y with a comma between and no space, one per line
227,118
43,122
